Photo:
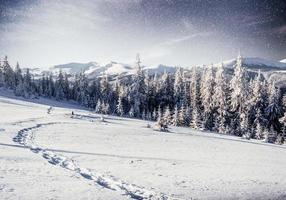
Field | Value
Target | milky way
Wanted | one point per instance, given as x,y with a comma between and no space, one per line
174,32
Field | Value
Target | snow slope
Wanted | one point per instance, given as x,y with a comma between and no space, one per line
59,156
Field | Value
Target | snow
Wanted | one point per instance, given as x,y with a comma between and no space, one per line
256,63
75,68
59,156
93,69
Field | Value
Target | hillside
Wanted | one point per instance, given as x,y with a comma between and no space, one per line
49,156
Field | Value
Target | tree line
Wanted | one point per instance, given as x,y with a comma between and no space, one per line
205,98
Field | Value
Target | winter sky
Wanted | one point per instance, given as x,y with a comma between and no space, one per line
41,33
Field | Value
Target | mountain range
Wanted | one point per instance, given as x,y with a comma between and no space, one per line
275,70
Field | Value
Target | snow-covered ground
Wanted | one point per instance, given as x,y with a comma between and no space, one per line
59,156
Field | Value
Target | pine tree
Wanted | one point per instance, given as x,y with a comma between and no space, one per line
27,84
271,135
154,114
220,100
194,89
98,108
182,116
283,130
196,120
175,120
258,124
18,75
239,94
207,90
178,86
119,107
167,117
59,86
105,108
1,76
273,110
161,124
8,73
131,112
166,92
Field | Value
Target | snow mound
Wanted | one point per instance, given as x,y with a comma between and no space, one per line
283,61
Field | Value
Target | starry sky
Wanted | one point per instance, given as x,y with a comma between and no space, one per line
42,33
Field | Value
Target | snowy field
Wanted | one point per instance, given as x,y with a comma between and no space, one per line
59,156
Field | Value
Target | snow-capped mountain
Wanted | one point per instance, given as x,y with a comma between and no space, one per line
93,69
256,64
272,70
275,70
75,68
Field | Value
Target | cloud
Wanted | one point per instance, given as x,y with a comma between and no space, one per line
181,39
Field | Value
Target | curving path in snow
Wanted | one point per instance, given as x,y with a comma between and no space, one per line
25,137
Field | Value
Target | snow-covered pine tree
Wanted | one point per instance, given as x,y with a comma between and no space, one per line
196,119
1,76
270,135
194,88
51,86
207,90
161,124
167,116
18,75
8,73
239,94
19,90
105,88
138,89
27,84
149,116
175,117
131,112
284,102
188,115
159,112
283,130
143,115
119,107
273,110
59,86
182,116
244,125
178,86
166,91
66,86
259,125
82,90
98,107
154,114
220,100
106,108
